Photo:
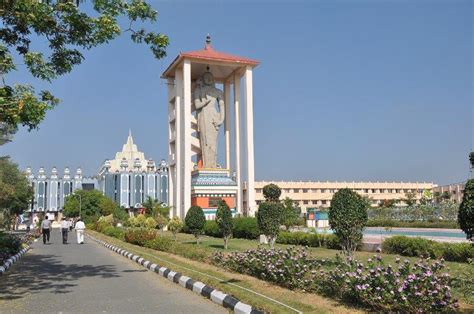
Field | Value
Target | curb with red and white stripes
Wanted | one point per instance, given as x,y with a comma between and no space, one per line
12,260
216,296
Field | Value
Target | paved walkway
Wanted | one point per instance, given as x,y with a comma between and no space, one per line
90,279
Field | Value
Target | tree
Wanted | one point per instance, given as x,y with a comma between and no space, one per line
271,192
195,221
87,202
291,213
270,213
107,206
175,225
67,31
471,159
224,221
269,219
15,191
466,210
410,198
149,204
348,217
161,222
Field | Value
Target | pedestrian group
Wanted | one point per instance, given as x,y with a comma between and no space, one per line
66,226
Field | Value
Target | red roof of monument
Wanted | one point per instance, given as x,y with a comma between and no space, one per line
208,53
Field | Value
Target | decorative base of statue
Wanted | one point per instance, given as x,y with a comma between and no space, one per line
209,186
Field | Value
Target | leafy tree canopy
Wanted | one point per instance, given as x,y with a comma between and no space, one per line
15,191
88,202
269,217
271,192
348,217
291,213
466,210
68,30
195,221
224,221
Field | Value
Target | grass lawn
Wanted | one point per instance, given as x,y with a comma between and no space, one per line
228,281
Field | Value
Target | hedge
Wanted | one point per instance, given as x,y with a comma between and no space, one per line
412,224
329,241
244,228
416,246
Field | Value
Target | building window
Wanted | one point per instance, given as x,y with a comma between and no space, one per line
305,190
323,202
305,202
258,190
331,190
286,190
313,190
323,190
296,190
315,202
374,190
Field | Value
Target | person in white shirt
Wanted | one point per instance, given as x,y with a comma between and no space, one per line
80,227
64,229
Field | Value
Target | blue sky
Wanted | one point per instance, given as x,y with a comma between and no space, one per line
347,90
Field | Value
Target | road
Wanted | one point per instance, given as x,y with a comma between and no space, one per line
89,278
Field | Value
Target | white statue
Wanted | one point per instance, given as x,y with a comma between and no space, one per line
206,97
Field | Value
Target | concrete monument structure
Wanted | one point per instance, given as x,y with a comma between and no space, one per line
196,111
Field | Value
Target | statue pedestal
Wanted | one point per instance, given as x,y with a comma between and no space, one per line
209,186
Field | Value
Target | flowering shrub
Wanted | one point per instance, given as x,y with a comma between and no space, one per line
139,236
289,268
416,288
402,288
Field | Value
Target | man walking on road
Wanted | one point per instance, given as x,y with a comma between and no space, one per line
80,227
45,229
64,229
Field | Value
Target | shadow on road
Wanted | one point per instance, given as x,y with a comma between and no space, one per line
46,273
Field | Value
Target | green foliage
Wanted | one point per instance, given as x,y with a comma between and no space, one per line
175,225
120,214
159,243
471,159
66,31
88,201
150,223
115,232
329,241
10,244
291,213
466,210
141,221
348,217
410,198
246,228
224,221
15,191
412,224
195,221
107,206
415,246
271,192
139,236
269,218
211,228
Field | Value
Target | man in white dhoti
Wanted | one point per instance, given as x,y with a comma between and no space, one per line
80,227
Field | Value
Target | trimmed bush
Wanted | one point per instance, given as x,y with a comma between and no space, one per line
115,232
309,239
159,243
269,217
139,236
195,221
212,229
415,246
246,228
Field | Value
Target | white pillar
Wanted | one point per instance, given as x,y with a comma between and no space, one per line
249,141
237,143
171,145
178,158
187,162
227,123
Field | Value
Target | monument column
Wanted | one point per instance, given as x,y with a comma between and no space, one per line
171,143
187,133
178,141
249,141
227,123
238,177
